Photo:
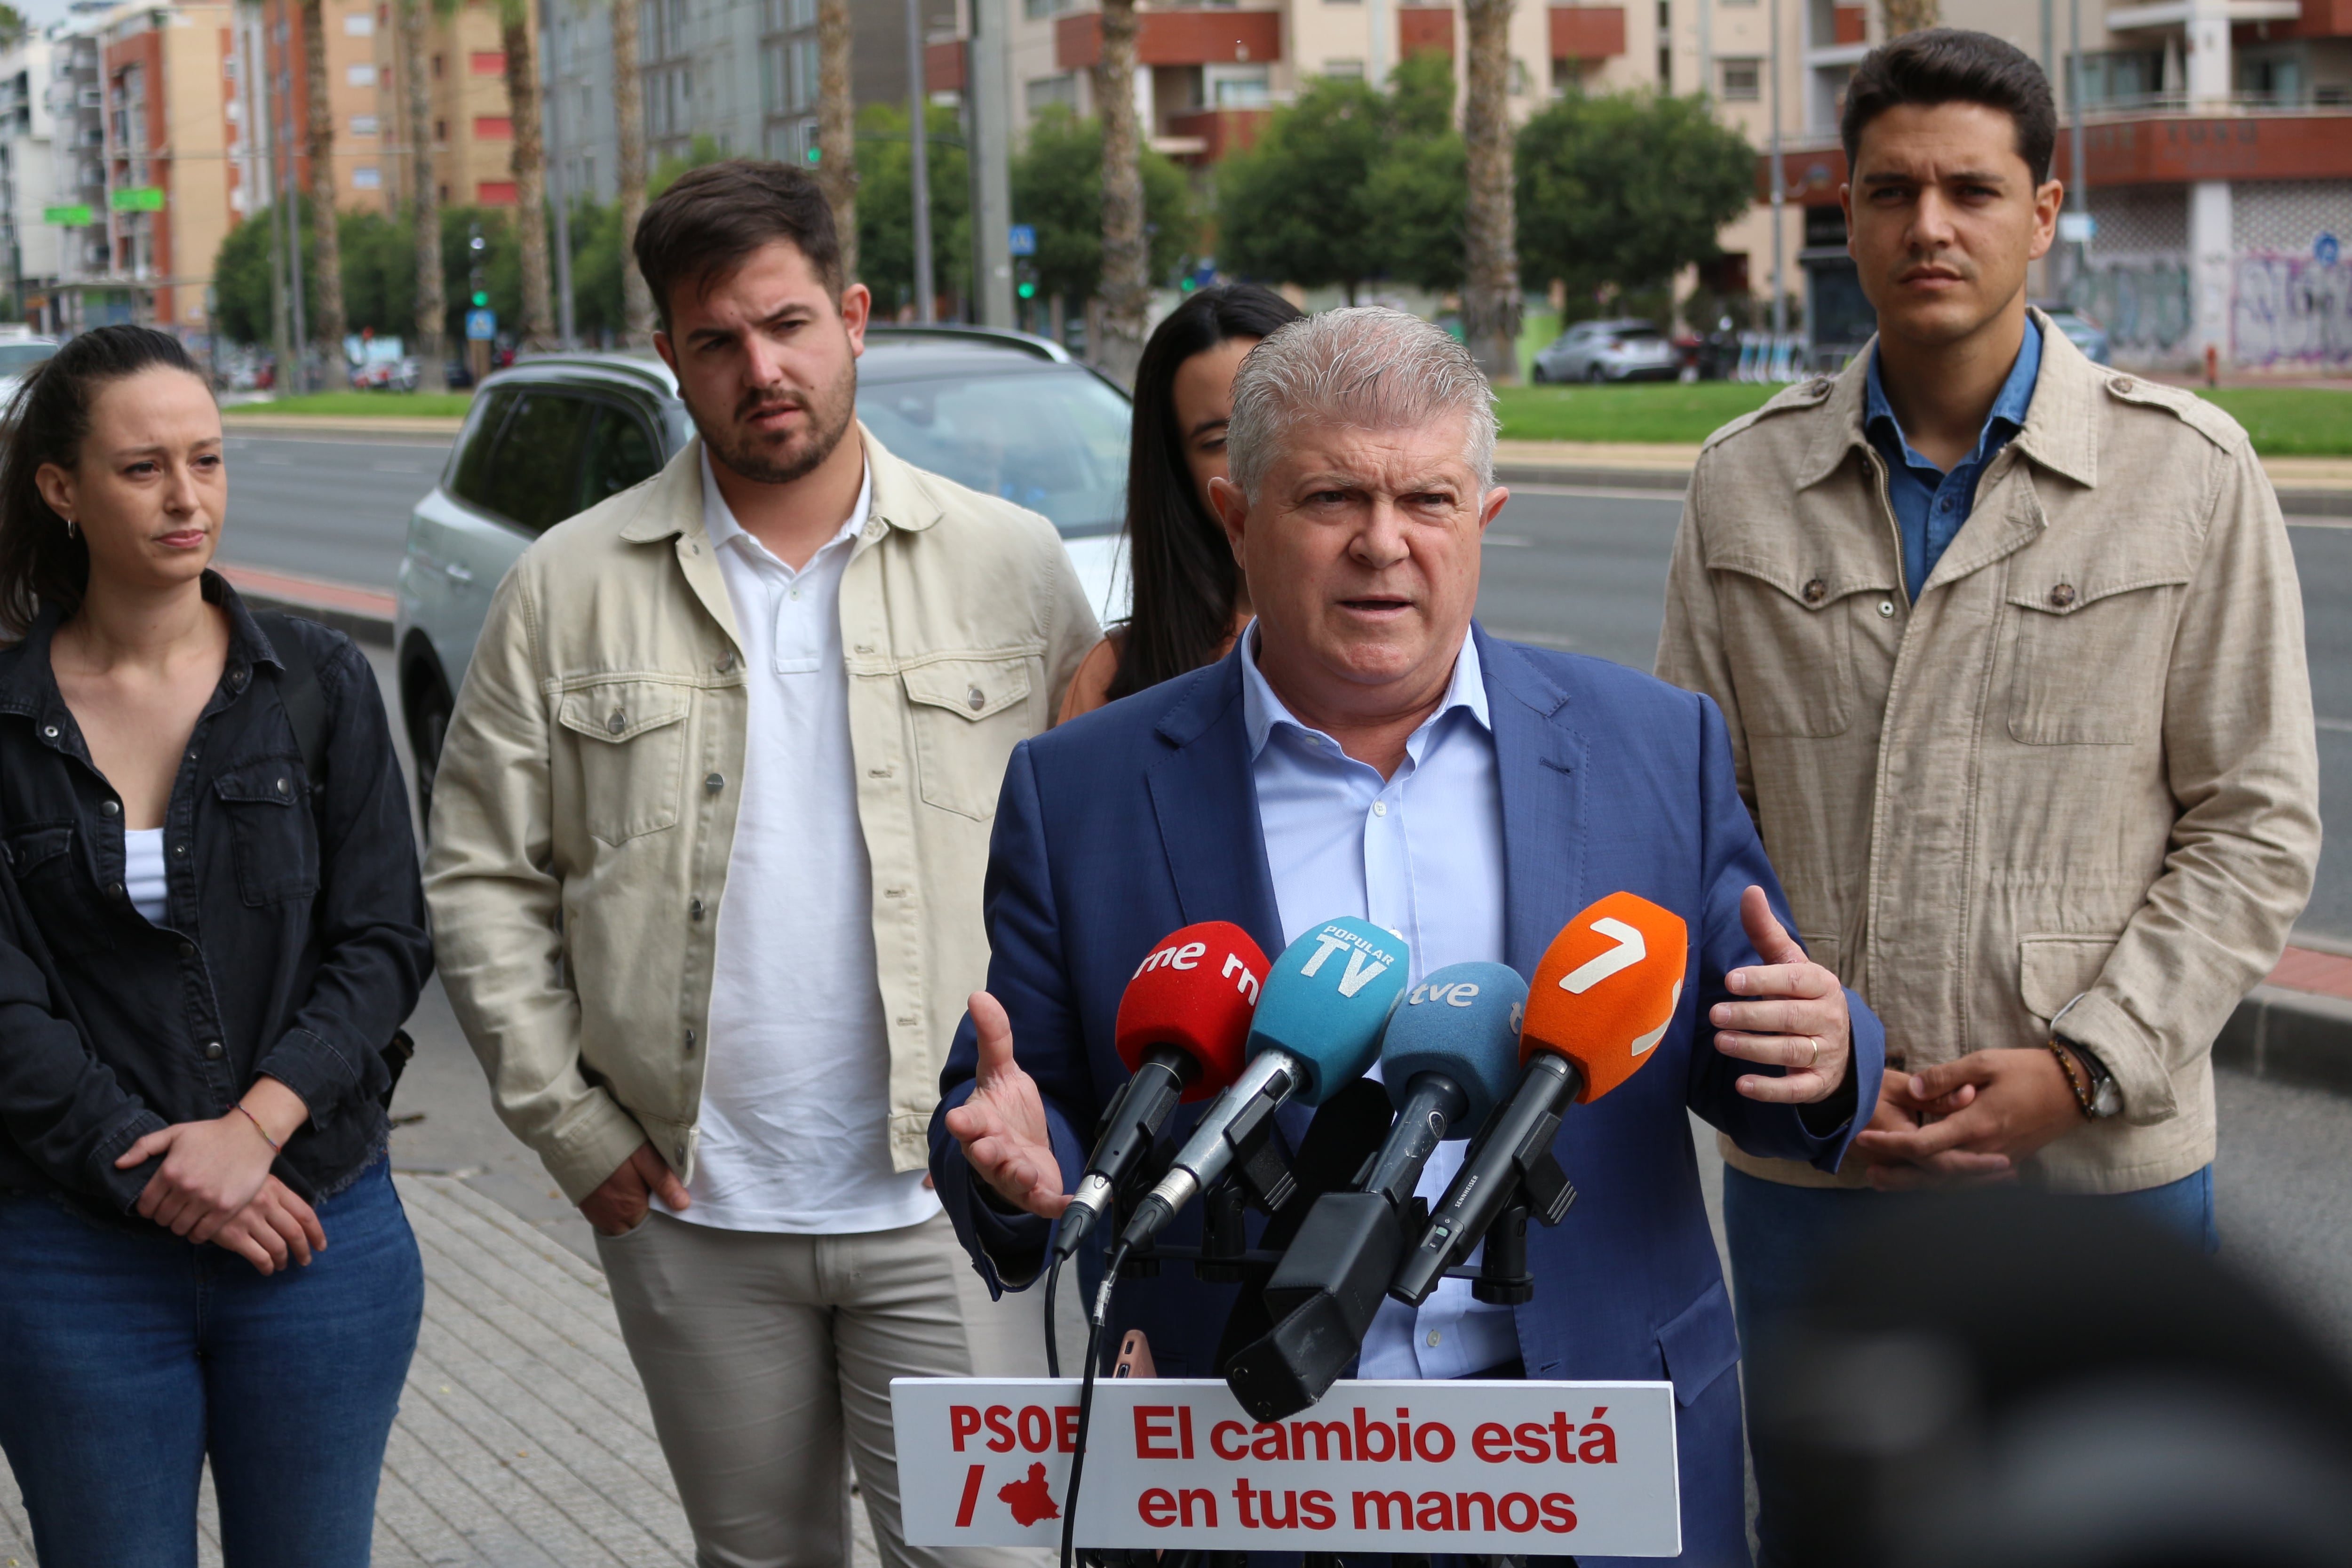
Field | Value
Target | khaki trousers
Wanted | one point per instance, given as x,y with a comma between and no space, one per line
766,1357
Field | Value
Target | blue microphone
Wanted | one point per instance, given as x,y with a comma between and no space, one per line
1327,999
1450,1055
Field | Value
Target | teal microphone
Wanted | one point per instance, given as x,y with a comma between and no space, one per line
1316,1029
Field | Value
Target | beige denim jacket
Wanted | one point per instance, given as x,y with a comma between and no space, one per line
584,807
2082,764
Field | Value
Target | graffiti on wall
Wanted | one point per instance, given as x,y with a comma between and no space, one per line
2291,310
2144,305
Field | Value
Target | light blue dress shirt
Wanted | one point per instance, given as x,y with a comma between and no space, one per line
1420,853
1930,505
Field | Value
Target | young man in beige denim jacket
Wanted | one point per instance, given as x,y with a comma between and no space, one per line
2010,646
709,836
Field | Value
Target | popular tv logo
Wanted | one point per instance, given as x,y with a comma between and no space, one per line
1367,961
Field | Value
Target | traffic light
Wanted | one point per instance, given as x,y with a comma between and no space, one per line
482,299
1028,290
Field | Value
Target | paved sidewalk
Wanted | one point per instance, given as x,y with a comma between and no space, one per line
524,1440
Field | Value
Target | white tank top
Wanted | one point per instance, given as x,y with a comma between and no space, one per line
143,872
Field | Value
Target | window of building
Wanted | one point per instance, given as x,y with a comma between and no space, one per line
1037,10
1039,91
1236,87
493,127
804,68
1743,80
360,25
364,125
359,76
495,193
367,179
440,131
803,13
487,62
437,68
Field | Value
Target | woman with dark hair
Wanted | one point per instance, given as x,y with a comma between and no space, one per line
1191,600
211,929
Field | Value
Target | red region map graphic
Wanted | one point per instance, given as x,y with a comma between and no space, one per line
1030,1501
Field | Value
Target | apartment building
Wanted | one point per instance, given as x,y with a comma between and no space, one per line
472,120
742,72
166,85
29,243
362,156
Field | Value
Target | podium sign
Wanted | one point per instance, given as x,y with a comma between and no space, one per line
1545,1468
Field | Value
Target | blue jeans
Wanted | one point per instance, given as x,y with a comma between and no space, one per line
128,1356
1780,1236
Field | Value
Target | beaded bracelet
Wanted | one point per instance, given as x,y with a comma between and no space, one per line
2074,1080
280,1148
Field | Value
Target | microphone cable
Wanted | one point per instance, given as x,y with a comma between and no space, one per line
1053,1346
1100,1316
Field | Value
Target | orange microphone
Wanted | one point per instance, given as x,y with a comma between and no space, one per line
1601,1000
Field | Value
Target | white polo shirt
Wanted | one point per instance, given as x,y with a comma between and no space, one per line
795,1092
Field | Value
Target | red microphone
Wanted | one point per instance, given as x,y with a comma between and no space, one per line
1182,1025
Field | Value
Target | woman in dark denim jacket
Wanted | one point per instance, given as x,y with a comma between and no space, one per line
202,958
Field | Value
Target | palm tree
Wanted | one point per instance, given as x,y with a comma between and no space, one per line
1490,288
423,195
528,162
1125,255
629,122
836,128
320,128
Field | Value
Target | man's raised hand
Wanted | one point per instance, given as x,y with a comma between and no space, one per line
1798,1020
1002,1126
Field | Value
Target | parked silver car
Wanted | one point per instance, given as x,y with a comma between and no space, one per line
1006,414
1609,351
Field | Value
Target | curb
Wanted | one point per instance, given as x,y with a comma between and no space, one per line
363,614
2290,1037
335,427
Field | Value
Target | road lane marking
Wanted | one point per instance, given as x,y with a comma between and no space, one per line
1598,492
2338,522
2342,725
1509,541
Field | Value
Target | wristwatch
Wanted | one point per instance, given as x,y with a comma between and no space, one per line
2107,1098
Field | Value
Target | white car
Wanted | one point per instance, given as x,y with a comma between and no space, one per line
1004,412
1609,351
17,355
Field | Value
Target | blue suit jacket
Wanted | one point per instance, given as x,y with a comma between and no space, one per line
1116,828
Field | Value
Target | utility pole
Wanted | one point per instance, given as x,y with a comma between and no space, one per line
260,114
1376,42
1706,48
290,182
2078,185
1779,191
919,131
557,197
992,156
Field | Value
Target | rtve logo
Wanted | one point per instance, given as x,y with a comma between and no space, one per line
1189,955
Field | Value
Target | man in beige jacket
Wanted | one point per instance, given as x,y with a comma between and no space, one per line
709,836
2011,648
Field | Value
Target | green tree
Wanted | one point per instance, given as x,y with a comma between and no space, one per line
379,275
703,149
597,264
1058,189
886,202
1351,183
1626,190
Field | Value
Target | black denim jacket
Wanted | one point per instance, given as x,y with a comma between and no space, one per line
293,942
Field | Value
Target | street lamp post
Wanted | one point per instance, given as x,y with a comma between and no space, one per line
918,146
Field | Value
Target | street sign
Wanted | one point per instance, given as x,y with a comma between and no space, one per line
2077,228
1490,1467
481,326
2326,249
69,218
1024,238
137,199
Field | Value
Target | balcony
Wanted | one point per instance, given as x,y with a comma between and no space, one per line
1175,39
1586,32
1205,136
2243,140
943,66
1421,29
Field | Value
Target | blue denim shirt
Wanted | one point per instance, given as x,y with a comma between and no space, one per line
1930,505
